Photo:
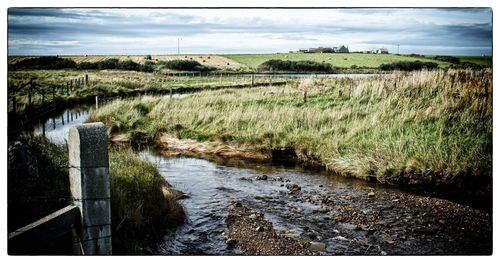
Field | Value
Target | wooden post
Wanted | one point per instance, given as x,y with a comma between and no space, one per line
350,89
14,102
90,186
170,92
252,80
486,88
30,92
86,79
305,95
70,85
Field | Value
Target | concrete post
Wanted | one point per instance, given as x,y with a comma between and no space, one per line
90,186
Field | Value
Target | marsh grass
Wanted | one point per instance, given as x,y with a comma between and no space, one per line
410,128
142,203
115,83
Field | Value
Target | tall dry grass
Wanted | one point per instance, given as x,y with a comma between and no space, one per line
420,127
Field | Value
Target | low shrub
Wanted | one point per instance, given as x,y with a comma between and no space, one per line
148,66
409,65
450,59
50,62
111,63
87,65
303,65
128,65
180,64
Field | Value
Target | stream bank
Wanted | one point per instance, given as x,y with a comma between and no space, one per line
335,215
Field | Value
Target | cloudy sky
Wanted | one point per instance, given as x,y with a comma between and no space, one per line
465,31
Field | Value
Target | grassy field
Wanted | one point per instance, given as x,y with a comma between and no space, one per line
409,128
335,59
252,61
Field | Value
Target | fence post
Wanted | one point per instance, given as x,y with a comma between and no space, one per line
71,85
43,96
68,87
14,102
31,91
252,79
86,79
90,186
305,94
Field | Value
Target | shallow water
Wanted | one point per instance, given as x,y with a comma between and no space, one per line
211,188
310,213
56,128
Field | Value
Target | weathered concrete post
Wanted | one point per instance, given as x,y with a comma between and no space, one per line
90,186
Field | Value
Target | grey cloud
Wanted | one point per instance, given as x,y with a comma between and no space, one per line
91,25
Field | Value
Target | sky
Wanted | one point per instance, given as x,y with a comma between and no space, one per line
56,31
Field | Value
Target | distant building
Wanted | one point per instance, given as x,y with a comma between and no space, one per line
382,51
341,49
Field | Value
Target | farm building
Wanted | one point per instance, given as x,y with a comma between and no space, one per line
382,51
341,49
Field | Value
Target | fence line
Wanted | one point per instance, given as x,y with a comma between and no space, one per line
36,89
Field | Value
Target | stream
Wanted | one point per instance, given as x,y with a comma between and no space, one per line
351,217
